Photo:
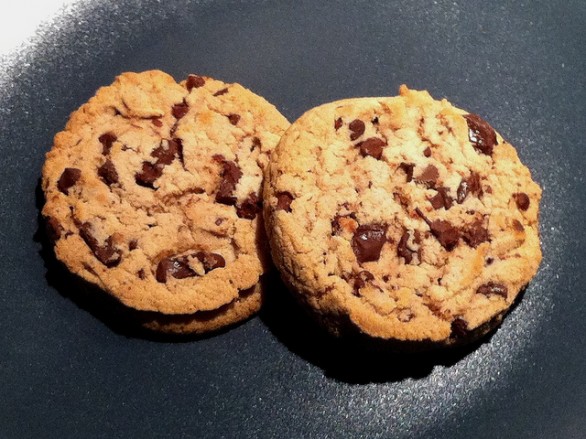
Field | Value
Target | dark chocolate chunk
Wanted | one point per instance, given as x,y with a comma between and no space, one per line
427,152
166,155
445,233
481,134
177,267
459,328
107,172
180,110
337,123
68,179
470,185
221,92
475,234
429,176
107,254
284,200
106,140
157,121
408,169
441,199
249,207
518,226
357,128
372,146
493,288
368,241
231,173
256,143
53,227
233,118
522,200
360,280
194,81
402,249
210,261
148,174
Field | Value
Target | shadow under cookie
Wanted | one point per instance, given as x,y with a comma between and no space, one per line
127,321
352,358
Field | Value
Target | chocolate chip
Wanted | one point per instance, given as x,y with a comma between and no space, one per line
210,261
475,234
133,245
429,176
68,179
493,288
249,207
233,118
167,151
357,127
427,152
489,261
107,139
148,175
522,200
231,173
441,199
372,147
337,123
470,185
221,92
375,120
480,133
360,281
368,241
518,226
141,274
284,200
53,228
459,328
256,143
402,249
107,254
445,233
180,110
194,81
107,172
408,169
177,267
157,121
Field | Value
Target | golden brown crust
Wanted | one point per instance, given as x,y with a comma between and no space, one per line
153,188
409,218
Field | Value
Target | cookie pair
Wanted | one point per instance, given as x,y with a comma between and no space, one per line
400,218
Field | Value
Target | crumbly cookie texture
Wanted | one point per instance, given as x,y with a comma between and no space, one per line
153,194
404,218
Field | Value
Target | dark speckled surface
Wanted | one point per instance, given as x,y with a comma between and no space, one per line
69,370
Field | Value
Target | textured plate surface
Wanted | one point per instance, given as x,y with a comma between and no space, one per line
70,369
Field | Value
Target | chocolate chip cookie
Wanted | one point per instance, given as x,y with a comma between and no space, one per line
153,194
402,218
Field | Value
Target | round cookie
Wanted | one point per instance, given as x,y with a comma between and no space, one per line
402,218
153,194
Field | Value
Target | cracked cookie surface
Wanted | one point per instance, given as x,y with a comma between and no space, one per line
404,218
153,194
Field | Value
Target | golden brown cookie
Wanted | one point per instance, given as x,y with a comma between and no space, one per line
403,218
153,194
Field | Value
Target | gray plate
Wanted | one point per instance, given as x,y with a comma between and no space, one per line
70,368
